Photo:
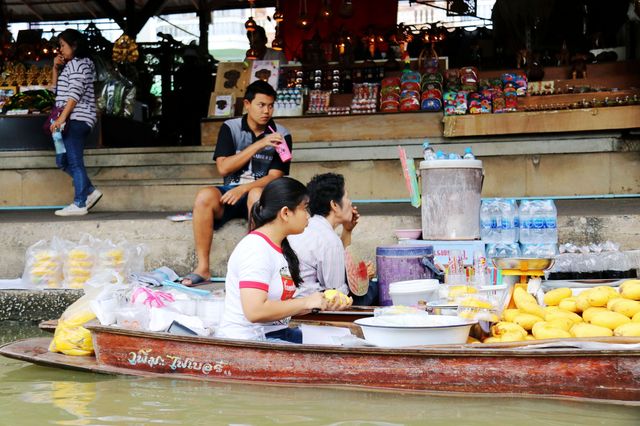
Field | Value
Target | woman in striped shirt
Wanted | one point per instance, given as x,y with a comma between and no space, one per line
73,75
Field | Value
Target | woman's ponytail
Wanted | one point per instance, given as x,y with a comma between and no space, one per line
293,261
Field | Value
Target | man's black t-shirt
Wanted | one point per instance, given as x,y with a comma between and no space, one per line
235,135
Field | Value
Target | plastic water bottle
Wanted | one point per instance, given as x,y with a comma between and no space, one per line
485,222
453,156
468,155
427,151
503,250
58,143
524,214
508,213
490,221
539,251
440,156
550,234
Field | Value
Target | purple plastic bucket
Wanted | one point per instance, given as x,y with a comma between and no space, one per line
402,263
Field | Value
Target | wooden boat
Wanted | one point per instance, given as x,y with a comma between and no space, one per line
610,374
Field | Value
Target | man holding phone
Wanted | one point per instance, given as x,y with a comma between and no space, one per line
246,157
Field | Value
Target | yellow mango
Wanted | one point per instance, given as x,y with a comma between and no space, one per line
611,320
627,307
582,301
492,340
512,336
542,330
563,314
460,290
520,297
527,321
509,314
529,337
612,302
561,323
503,327
589,330
553,297
636,318
631,329
473,302
333,293
629,283
548,309
533,309
598,297
589,313
631,291
568,304
471,340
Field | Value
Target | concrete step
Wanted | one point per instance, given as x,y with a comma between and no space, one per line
171,244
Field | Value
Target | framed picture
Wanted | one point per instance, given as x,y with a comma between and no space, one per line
5,93
232,78
267,71
221,105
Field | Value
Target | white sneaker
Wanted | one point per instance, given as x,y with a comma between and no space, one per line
72,210
93,198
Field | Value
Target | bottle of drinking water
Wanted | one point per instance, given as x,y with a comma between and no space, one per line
486,230
468,155
440,156
427,151
524,214
453,156
550,214
58,143
508,213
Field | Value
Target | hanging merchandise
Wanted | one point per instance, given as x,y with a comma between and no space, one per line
125,49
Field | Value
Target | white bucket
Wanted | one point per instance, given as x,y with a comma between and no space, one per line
410,293
451,199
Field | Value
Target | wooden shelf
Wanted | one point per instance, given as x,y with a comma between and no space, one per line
574,120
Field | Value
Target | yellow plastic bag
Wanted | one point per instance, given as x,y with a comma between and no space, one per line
71,338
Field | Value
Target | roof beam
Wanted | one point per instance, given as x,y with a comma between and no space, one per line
151,8
112,12
32,10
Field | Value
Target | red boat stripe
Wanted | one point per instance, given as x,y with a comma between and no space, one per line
254,284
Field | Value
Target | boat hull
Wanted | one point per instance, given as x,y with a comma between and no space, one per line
499,369
595,374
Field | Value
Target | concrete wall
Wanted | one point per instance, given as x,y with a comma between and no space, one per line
166,179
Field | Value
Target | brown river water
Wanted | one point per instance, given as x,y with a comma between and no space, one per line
33,395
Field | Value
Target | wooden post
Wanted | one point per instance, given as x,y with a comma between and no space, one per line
204,15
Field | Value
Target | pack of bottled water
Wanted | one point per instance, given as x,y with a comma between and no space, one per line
503,250
538,222
541,251
499,222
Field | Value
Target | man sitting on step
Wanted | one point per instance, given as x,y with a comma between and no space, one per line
245,156
320,250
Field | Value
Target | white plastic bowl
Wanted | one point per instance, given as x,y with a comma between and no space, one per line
409,293
433,330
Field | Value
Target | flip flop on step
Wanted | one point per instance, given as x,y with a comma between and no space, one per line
194,278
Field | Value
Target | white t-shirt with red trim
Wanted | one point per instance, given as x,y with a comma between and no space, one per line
256,262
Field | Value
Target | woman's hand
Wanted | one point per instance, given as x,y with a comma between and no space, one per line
354,220
57,125
58,61
371,269
316,301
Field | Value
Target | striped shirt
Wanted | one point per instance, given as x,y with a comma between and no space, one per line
76,82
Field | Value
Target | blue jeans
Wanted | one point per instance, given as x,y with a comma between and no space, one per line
72,161
368,299
291,335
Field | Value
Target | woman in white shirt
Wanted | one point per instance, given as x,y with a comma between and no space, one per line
263,271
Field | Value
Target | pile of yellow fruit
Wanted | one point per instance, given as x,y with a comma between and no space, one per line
344,300
597,312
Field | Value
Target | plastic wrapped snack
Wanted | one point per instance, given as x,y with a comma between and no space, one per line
43,265
78,266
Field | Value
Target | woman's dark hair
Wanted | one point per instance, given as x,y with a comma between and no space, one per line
282,192
322,190
259,86
77,41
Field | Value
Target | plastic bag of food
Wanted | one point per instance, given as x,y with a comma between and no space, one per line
70,337
43,264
